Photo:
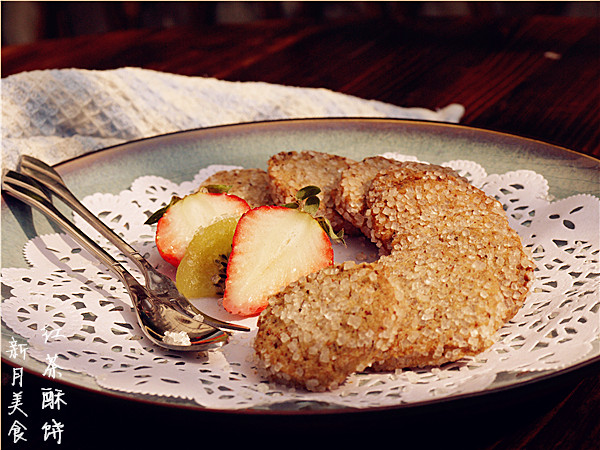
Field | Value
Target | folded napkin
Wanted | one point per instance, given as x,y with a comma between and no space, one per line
60,114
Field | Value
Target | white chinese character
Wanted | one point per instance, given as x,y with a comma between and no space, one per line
15,349
17,429
50,369
51,334
16,403
52,398
54,431
17,376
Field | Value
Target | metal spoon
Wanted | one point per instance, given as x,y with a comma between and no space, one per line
159,320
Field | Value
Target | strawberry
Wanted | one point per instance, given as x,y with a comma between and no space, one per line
182,217
272,247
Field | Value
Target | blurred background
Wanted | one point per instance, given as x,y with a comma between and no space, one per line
26,22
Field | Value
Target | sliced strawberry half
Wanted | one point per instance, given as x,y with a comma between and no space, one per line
176,227
272,247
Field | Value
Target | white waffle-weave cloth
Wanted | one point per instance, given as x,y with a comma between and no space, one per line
59,114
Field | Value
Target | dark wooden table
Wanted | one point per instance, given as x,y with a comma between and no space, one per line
535,77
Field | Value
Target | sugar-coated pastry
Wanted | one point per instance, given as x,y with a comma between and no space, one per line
452,272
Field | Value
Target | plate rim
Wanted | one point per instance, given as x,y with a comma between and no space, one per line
340,119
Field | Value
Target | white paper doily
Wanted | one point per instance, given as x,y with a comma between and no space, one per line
87,313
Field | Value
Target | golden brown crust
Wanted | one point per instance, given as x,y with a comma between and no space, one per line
455,273
404,208
459,295
425,305
350,198
430,199
319,330
291,171
253,185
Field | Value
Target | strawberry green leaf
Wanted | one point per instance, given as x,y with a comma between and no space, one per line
326,225
311,205
155,217
307,191
308,202
216,188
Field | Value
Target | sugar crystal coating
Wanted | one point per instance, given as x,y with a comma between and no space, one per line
433,200
452,273
319,330
455,299
355,181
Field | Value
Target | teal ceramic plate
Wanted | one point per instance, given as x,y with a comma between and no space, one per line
179,156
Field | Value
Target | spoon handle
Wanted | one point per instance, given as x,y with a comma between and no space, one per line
50,179
26,190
